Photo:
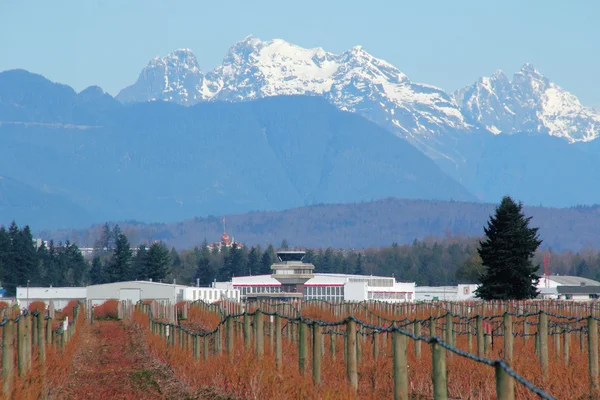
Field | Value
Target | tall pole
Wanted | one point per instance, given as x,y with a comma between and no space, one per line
27,293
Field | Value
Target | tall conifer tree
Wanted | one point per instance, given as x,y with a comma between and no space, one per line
506,254
118,269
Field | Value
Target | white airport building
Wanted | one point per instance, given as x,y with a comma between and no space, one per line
460,292
129,290
60,296
329,287
568,288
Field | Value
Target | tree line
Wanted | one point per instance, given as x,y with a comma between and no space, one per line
431,261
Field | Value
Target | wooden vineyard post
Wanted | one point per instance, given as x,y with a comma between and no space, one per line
431,327
556,344
504,384
400,366
358,347
271,333
351,362
196,347
593,352
469,339
302,350
449,328
508,339
278,352
205,347
40,337
440,384
21,337
317,339
229,333
480,339
247,331
567,344
260,334
49,331
7,357
34,329
417,343
332,339
543,338
375,345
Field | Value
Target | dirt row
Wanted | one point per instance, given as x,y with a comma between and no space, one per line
112,362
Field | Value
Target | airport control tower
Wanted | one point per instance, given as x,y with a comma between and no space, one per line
292,273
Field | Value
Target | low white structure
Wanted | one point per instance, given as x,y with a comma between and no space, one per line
211,295
460,292
60,296
129,290
135,291
329,287
568,288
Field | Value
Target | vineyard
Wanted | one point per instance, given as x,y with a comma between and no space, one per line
376,350
311,349
37,347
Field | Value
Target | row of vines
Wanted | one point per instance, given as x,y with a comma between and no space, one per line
546,352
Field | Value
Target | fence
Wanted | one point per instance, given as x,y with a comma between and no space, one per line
482,323
25,336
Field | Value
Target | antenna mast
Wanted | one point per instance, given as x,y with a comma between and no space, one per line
547,268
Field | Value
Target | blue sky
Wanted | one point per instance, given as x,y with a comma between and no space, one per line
448,44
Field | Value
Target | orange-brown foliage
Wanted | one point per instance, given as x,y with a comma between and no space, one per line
37,306
42,378
247,377
107,310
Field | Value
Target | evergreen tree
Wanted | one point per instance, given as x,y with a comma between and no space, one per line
5,249
358,269
158,261
235,263
118,269
139,270
96,271
267,259
254,258
284,245
104,243
506,254
309,257
23,262
176,265
53,269
73,265
114,237
204,272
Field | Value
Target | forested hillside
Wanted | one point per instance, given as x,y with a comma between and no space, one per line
358,225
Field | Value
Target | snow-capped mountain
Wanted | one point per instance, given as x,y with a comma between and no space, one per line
528,103
176,77
356,81
353,81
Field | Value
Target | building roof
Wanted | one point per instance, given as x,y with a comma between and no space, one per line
124,283
318,279
436,289
573,280
565,289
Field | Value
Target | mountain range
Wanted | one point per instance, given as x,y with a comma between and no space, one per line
358,82
277,126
